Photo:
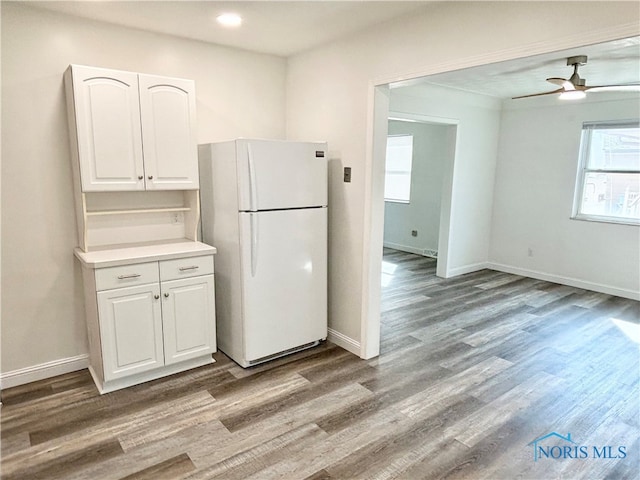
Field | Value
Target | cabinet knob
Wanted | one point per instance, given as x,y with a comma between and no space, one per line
150,177
166,295
156,297
140,177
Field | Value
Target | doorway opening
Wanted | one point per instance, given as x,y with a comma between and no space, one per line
412,222
467,208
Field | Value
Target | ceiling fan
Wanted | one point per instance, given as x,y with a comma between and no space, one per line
575,87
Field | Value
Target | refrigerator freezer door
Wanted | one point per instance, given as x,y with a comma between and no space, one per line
276,175
284,271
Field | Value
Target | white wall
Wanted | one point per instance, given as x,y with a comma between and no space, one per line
422,213
330,96
42,303
535,184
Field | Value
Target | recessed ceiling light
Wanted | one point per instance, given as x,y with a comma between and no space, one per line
229,19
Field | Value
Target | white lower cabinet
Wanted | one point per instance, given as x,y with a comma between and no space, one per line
187,307
131,330
151,319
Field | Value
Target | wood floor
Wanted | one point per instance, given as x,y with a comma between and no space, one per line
473,369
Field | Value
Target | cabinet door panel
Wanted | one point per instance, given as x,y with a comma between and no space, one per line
108,123
131,329
188,311
167,108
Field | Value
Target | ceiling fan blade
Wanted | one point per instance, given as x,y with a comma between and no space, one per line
557,81
614,88
559,90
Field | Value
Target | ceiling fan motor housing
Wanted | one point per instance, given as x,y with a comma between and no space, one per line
577,60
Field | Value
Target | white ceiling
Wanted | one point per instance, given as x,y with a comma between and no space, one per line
273,27
289,27
611,63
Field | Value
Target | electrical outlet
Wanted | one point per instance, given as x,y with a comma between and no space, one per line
414,233
175,218
347,174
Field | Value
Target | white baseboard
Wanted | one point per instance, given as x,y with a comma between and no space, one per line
403,248
343,341
454,272
569,281
42,371
425,252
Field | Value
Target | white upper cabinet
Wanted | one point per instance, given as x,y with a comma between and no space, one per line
132,131
167,110
109,141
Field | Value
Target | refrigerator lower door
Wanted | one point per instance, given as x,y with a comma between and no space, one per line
284,279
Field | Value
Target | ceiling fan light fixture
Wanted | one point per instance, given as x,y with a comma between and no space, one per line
572,95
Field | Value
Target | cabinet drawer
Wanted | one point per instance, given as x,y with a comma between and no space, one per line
186,267
126,275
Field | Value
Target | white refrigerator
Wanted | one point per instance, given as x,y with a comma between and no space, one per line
264,207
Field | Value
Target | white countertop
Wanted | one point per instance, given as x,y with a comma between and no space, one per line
126,255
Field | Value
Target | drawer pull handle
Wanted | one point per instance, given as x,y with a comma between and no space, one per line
131,275
192,267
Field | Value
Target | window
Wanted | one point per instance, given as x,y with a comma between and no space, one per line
397,182
608,187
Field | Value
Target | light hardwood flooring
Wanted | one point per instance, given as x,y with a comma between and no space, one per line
472,370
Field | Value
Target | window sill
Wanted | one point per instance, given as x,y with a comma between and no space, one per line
601,219
388,200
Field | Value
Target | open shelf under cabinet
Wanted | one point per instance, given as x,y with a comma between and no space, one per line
120,218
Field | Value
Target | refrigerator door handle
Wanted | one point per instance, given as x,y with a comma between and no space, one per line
253,193
254,243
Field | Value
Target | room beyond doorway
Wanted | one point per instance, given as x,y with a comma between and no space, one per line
412,223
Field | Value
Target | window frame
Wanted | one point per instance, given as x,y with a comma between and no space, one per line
584,169
410,172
